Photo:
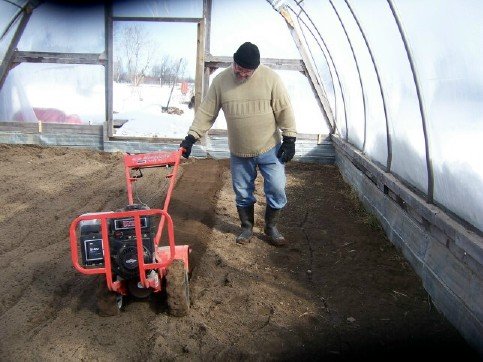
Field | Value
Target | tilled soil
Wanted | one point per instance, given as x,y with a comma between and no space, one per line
339,291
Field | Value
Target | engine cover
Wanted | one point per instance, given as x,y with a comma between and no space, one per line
122,243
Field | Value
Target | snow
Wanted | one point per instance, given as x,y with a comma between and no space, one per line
79,90
142,107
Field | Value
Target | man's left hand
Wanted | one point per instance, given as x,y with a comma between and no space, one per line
287,149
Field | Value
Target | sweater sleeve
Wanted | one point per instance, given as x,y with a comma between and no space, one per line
282,109
206,114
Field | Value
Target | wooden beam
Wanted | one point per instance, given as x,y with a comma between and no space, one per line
25,127
62,58
200,61
274,63
207,7
156,19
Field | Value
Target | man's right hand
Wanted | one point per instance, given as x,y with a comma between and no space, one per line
186,144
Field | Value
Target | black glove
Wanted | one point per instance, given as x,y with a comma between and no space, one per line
287,149
187,143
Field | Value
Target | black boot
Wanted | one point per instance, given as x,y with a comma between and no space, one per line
247,220
271,218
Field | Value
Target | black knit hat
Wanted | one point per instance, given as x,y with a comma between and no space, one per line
247,56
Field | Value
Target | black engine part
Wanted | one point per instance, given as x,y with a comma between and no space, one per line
122,243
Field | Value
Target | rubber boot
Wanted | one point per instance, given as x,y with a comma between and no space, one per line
247,219
271,218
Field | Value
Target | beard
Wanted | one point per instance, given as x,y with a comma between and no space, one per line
237,78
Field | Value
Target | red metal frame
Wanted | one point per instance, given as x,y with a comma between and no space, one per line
152,159
164,255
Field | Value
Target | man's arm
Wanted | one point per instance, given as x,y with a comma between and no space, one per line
205,116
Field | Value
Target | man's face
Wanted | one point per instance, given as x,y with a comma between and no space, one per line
242,74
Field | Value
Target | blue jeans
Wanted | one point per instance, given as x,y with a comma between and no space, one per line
244,173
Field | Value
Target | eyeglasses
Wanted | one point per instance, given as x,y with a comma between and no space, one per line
243,71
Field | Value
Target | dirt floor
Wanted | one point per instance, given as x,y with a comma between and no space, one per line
339,291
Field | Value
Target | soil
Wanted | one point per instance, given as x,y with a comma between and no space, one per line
338,291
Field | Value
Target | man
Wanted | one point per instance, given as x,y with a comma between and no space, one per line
257,109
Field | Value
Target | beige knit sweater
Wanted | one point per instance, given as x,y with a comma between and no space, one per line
256,111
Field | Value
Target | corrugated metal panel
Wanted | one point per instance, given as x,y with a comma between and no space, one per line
213,145
68,140
306,150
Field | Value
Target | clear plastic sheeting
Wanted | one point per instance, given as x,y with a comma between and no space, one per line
54,93
7,14
328,24
55,28
404,116
308,115
375,143
448,75
321,61
445,40
159,8
233,23
8,25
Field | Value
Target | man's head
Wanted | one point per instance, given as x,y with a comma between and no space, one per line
245,61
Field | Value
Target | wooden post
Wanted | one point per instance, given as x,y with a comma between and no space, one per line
109,68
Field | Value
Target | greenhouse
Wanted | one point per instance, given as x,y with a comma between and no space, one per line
387,98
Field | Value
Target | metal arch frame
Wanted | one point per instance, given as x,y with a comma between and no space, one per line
333,65
429,163
358,73
383,96
12,20
308,69
300,21
24,13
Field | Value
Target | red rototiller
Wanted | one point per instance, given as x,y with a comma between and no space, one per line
129,246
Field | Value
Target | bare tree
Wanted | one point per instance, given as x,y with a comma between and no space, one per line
136,51
161,69
169,70
118,69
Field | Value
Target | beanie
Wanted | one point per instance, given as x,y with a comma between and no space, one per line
247,56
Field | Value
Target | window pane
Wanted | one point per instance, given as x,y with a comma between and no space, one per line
154,72
55,28
54,93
